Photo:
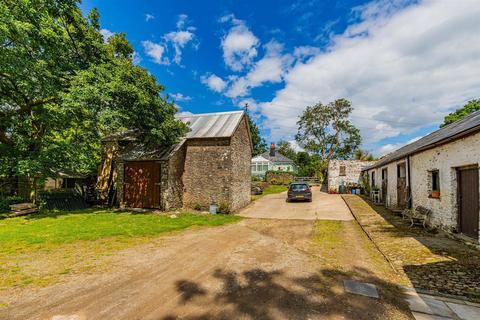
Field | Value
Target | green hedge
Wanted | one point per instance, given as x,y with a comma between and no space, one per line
7,201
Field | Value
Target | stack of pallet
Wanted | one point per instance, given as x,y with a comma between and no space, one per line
21,209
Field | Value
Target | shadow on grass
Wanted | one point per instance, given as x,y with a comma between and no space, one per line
261,294
457,274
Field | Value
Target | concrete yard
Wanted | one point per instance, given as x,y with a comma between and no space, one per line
323,207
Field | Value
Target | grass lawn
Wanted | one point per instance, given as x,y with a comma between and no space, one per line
38,249
270,189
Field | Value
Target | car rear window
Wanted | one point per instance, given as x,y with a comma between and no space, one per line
299,187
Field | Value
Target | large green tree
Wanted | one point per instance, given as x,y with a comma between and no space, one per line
258,142
62,88
325,130
361,154
461,113
285,147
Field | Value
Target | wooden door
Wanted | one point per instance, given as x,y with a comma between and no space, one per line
142,184
468,201
402,193
384,184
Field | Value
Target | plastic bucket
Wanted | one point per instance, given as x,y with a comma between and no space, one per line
213,208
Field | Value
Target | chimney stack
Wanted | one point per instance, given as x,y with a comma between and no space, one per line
272,150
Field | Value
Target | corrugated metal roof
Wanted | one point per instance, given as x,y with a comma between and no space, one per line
457,129
212,125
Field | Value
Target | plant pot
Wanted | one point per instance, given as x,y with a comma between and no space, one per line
435,194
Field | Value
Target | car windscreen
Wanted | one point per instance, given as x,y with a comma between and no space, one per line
299,187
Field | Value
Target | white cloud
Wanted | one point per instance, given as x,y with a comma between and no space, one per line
214,82
252,104
239,45
390,147
184,114
149,16
155,51
106,34
403,69
270,68
179,97
136,58
177,40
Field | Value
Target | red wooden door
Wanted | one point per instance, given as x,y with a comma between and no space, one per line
468,201
142,184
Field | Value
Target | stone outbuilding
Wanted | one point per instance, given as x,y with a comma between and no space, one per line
439,172
345,172
211,164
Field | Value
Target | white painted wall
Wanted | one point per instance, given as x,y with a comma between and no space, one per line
446,159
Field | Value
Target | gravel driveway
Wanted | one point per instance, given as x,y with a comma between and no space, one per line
253,269
323,207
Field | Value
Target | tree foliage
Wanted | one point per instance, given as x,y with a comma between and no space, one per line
259,144
62,88
361,154
285,148
461,113
325,130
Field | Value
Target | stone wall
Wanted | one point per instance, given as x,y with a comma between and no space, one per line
353,171
446,159
172,170
241,155
208,172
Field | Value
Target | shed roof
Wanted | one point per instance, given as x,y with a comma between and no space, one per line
450,132
212,125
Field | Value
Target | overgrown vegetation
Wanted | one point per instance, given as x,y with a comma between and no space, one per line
471,106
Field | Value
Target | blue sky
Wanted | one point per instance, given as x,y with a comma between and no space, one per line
403,64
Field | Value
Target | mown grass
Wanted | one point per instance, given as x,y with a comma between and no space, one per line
270,189
39,249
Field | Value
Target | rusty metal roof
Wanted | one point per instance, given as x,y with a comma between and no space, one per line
212,125
450,132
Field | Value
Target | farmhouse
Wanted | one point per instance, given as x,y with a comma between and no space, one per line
345,172
271,161
438,172
211,164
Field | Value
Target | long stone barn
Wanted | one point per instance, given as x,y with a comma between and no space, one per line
211,164
439,172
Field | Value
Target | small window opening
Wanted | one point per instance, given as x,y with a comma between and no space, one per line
343,171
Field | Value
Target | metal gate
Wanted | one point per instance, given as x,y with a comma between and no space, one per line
142,184
468,201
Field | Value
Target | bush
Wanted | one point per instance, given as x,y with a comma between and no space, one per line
223,208
256,179
197,206
7,201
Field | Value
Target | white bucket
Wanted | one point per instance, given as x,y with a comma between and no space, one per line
213,208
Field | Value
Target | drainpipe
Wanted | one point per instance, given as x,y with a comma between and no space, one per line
410,198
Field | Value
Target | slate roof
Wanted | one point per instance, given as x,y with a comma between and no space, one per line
450,132
278,157
212,125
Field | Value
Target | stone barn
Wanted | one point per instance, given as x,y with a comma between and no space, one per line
345,172
210,164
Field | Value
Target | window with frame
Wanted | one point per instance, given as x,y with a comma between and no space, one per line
434,184
343,171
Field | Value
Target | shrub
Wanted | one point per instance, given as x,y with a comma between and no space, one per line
7,201
223,208
197,206
256,179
